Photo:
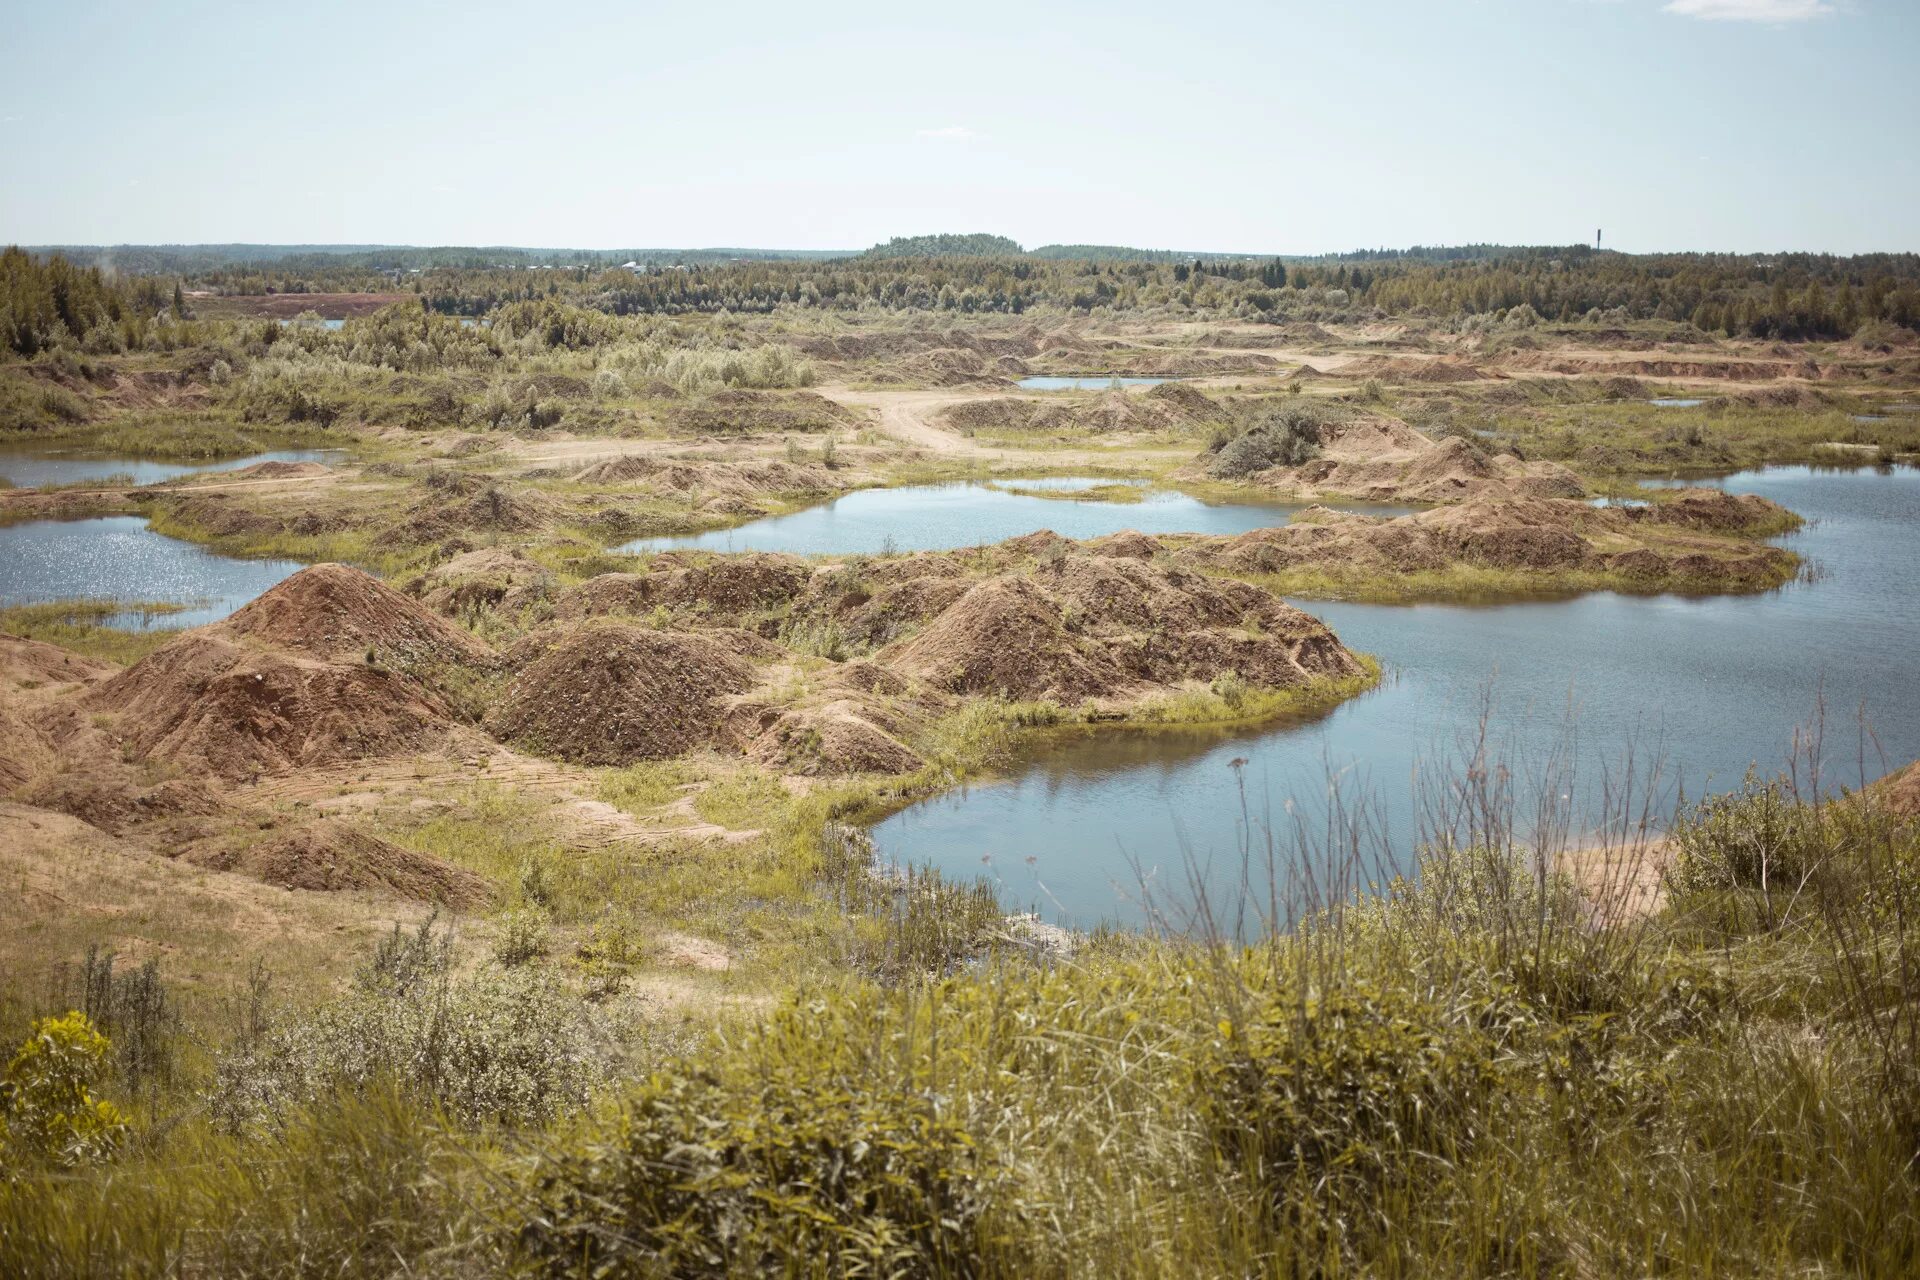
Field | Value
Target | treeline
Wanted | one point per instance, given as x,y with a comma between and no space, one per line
1793,296
42,303
976,245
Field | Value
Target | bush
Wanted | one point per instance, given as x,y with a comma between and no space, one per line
1285,437
498,1045
1336,1092
1759,838
803,1170
47,1107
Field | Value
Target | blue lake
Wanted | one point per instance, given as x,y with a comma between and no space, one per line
27,469
1088,382
941,517
1574,694
118,558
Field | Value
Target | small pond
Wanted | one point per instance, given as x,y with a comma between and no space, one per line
1706,686
1675,402
27,469
940,517
119,558
1087,382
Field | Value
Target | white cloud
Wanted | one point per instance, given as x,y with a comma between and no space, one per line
952,133
1752,10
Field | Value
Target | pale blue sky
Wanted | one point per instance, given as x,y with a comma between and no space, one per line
1290,127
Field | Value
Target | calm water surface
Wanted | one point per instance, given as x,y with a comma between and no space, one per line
1707,686
1090,382
1673,402
26,469
940,517
119,558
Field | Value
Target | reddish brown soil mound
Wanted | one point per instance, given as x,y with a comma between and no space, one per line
237,711
113,798
24,751
335,612
612,694
35,662
1186,400
331,855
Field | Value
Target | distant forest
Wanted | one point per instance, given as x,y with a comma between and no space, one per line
46,300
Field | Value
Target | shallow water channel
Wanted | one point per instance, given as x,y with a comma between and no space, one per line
1086,382
29,469
1575,689
119,558
940,517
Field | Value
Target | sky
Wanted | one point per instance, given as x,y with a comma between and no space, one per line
1260,126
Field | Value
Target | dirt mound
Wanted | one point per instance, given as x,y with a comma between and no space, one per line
282,470
721,479
485,578
1128,544
24,750
25,663
1003,636
1382,459
1717,510
331,855
208,701
725,586
835,739
1507,533
612,694
1186,400
734,413
113,797
1444,369
1084,626
335,612
1900,791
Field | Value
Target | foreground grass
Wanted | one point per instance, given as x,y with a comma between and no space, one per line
1450,1076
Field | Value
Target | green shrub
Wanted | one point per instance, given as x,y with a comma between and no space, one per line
1324,1099
807,1171
47,1107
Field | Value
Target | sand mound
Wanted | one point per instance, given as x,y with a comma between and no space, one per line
612,694
1515,533
1003,636
335,612
24,750
739,480
485,578
1186,400
1086,626
1716,510
1382,459
330,855
35,662
1128,544
113,798
834,739
726,586
735,412
1900,792
206,701
282,470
